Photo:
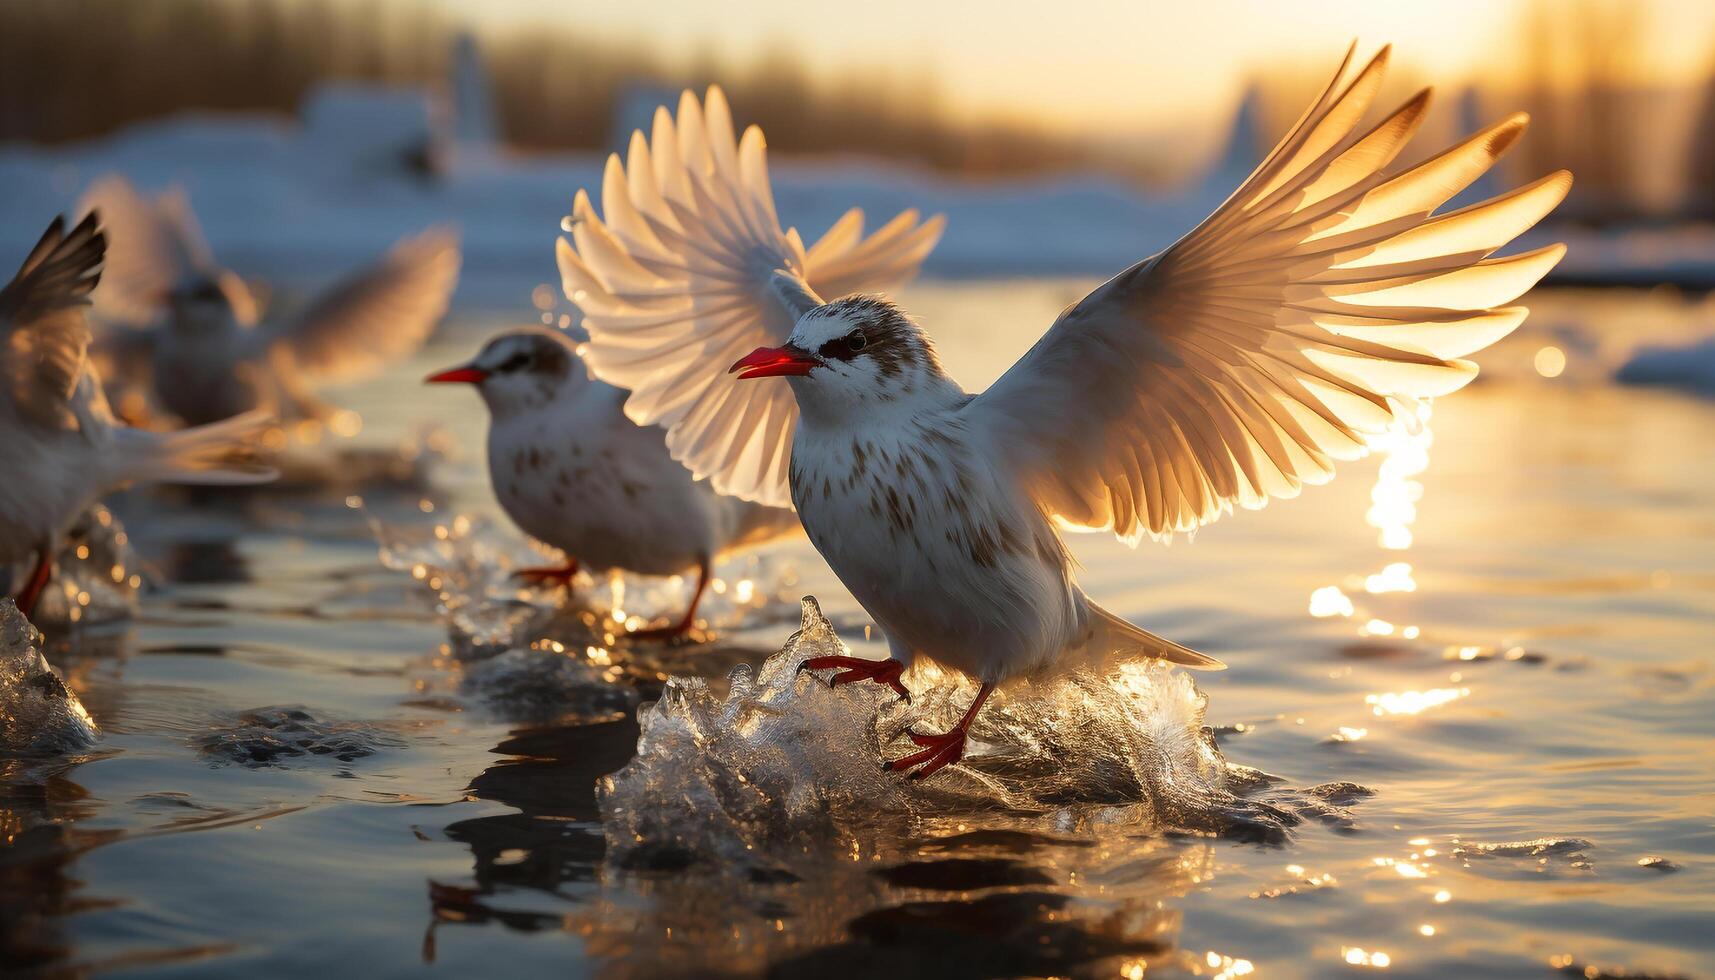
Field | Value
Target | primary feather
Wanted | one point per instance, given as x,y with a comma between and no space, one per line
1293,325
43,321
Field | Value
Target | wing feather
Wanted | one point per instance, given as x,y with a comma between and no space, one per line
676,280
375,316
44,323
1323,298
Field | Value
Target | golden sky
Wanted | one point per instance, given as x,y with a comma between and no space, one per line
1128,65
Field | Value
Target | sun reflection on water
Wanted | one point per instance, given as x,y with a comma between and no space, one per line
1392,511
1413,702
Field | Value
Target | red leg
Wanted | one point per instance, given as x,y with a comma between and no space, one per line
854,669
560,575
686,621
38,581
940,751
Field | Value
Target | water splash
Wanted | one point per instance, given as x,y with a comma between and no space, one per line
782,765
468,564
38,713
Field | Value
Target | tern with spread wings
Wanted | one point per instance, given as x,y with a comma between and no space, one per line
1314,308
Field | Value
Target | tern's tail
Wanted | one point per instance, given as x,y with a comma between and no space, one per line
1114,637
226,453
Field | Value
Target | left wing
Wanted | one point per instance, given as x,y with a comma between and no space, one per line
1291,326
688,270
44,322
375,316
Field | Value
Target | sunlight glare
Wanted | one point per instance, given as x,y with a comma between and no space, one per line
1550,362
1413,702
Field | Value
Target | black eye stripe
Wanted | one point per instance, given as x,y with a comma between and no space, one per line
514,363
846,347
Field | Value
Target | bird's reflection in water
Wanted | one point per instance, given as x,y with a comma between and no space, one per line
553,844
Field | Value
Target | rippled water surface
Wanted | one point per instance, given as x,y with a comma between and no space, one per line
1466,731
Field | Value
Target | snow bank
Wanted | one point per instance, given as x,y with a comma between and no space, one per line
1690,366
298,204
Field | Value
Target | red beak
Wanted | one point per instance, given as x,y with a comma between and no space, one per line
774,362
466,375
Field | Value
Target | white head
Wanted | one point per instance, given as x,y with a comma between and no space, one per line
855,355
519,371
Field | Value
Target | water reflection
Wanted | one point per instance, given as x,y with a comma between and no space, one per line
1393,510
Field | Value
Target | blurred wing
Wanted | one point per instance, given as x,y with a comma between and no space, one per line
380,314
689,270
44,322
1299,320
154,246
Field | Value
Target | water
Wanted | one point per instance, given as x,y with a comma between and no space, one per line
302,769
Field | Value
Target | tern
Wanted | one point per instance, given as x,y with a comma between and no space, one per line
1310,312
60,446
573,472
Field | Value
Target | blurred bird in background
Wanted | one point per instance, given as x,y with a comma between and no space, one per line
192,333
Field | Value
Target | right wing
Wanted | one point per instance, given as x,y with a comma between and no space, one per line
44,325
689,270
375,316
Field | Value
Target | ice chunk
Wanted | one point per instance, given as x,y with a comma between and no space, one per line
782,764
38,713
278,736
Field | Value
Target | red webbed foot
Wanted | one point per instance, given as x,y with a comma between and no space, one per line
684,627
854,669
939,751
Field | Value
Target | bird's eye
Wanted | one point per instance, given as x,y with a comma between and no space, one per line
516,362
855,341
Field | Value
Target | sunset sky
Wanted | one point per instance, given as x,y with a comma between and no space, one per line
1134,64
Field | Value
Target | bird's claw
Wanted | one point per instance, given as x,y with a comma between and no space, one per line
939,751
850,670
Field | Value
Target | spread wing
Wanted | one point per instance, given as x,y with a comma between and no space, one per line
155,246
688,270
375,316
44,323
1296,322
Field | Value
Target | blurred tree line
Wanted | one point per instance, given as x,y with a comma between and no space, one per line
73,69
